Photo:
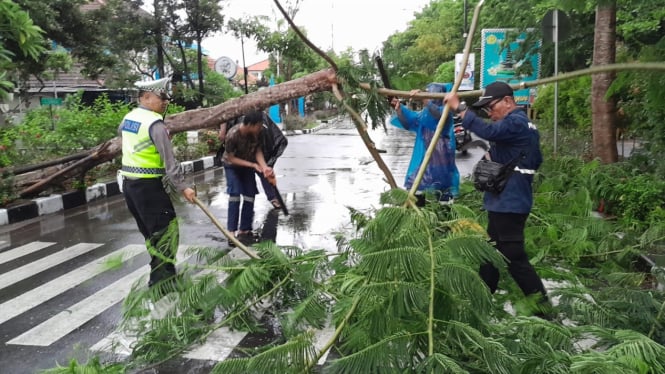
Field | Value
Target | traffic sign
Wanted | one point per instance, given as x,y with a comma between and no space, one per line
556,26
50,100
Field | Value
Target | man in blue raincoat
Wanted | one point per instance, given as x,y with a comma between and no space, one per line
441,175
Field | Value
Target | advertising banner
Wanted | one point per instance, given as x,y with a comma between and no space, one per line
468,79
498,64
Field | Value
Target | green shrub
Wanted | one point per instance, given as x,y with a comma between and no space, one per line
55,132
7,190
185,151
574,105
637,197
295,122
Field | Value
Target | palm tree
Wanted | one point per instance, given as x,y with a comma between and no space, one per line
603,108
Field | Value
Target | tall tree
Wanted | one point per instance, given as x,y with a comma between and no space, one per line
128,30
158,34
603,107
65,24
204,17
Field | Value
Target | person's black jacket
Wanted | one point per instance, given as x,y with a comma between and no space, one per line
273,141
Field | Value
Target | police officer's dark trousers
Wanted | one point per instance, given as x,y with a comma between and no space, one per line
151,206
507,231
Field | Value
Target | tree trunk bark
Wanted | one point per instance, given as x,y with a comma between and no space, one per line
604,109
198,119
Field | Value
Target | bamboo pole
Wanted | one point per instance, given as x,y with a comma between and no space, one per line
637,66
226,232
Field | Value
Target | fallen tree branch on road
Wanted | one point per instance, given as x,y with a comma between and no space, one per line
77,168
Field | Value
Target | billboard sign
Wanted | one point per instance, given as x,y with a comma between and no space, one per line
498,64
468,79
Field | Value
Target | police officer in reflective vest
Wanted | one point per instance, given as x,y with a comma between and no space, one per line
148,169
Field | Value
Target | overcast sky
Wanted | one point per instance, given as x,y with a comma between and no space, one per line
337,23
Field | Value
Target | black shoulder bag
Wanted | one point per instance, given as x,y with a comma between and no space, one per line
490,176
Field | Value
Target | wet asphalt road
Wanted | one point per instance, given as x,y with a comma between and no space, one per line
319,175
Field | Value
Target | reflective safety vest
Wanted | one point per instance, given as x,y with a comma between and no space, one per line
140,158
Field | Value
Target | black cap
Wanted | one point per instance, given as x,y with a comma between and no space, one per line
493,91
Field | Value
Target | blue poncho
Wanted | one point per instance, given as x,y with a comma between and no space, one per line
441,173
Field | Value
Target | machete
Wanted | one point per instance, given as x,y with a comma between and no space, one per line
278,195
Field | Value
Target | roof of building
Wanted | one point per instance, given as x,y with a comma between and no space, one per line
66,82
92,5
260,66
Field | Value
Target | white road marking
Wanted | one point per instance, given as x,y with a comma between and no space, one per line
47,291
40,265
121,342
69,320
23,250
218,346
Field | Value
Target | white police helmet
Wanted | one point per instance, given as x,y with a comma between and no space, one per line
158,86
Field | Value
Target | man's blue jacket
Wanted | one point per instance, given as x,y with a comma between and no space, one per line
509,137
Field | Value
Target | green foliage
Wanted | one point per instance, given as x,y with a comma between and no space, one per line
445,72
58,131
370,103
184,150
51,132
92,367
574,105
404,296
435,35
7,189
639,195
21,40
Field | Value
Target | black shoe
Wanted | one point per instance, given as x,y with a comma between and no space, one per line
545,310
247,238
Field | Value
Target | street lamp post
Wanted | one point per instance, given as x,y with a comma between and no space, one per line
244,68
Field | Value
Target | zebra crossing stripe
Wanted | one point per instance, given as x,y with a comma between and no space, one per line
69,320
40,265
47,291
23,250
121,342
218,346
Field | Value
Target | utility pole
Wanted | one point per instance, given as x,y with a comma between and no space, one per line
464,32
244,68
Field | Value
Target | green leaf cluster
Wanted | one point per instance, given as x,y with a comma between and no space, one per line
404,295
49,132
19,38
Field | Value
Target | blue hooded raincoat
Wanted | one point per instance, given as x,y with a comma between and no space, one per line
441,173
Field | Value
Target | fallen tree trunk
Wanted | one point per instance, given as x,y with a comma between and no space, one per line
196,119
43,165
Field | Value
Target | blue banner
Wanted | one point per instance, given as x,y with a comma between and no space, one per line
498,64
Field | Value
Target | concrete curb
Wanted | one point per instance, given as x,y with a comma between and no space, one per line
72,199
